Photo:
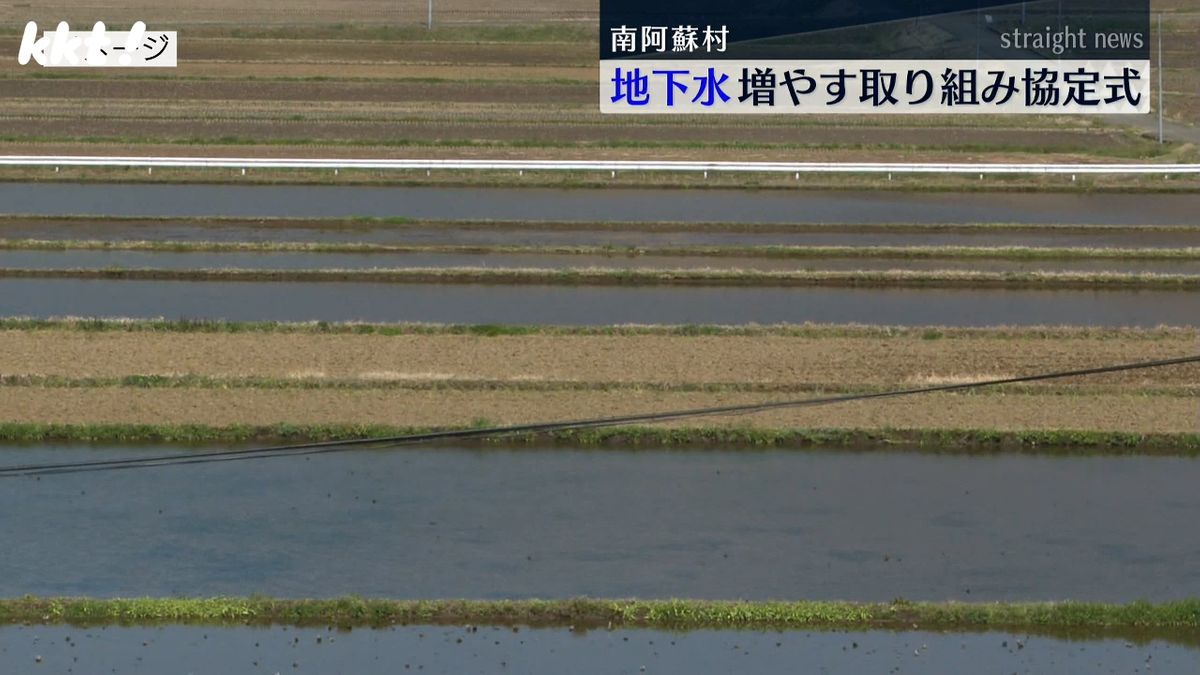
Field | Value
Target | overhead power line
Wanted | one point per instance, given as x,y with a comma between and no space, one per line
326,447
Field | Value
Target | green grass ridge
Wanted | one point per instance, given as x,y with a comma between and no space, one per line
777,251
585,612
806,330
352,384
951,441
374,221
639,277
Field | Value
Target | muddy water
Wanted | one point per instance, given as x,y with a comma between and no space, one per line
82,259
438,649
746,206
441,522
588,305
518,236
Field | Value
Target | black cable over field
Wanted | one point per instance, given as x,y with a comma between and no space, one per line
545,427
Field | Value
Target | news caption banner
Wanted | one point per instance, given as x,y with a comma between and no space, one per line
876,56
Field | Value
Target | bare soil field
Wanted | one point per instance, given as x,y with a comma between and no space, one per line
539,112
334,52
1182,94
650,359
521,378
420,132
1131,413
284,90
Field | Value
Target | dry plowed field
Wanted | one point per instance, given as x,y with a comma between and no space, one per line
361,79
1128,413
434,379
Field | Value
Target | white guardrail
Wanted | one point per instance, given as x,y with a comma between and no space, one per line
600,165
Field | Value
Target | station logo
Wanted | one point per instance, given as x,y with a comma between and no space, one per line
98,48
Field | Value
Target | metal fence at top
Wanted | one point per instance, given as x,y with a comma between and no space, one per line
981,168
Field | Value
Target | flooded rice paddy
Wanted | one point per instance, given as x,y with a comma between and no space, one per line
444,522
589,305
462,651
639,205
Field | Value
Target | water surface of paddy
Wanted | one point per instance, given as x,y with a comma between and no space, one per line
460,651
589,305
639,205
445,523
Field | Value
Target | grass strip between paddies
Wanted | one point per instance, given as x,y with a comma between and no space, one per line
637,277
1060,442
1184,335
301,449
537,385
582,612
770,251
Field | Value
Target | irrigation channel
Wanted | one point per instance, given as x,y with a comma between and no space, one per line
461,651
443,522
588,305
106,259
645,205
